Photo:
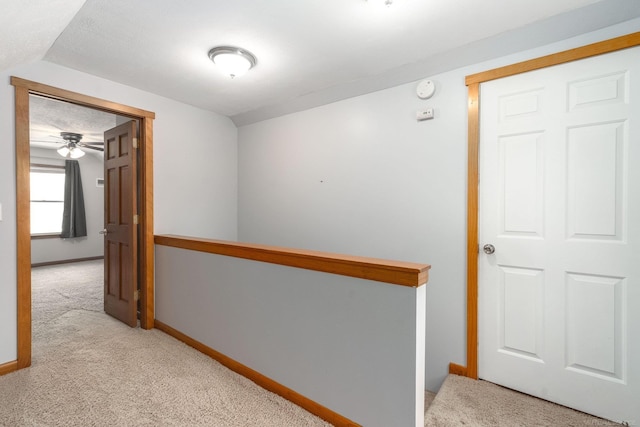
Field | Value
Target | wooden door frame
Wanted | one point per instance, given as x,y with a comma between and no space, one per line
473,86
24,88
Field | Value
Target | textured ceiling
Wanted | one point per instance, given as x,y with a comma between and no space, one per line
49,117
302,46
28,28
309,52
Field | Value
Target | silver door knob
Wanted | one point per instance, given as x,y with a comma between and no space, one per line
488,249
105,232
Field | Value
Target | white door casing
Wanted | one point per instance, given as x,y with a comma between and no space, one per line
560,200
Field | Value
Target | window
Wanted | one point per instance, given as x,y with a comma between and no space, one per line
47,199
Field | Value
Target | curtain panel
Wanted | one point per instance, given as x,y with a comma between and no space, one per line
74,221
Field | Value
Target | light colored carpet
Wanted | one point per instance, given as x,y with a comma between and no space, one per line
428,399
465,402
91,370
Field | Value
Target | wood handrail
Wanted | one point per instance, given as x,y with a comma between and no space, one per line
394,272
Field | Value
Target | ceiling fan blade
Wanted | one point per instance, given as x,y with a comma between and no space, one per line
47,142
90,147
93,142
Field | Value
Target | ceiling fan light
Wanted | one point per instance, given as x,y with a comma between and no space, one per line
63,151
232,61
76,153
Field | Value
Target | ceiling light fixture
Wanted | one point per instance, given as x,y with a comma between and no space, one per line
70,151
233,61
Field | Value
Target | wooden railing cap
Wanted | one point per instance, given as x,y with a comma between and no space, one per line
394,272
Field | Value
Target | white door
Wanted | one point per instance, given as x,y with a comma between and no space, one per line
559,299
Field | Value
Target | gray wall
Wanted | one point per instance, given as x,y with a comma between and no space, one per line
363,177
355,346
45,250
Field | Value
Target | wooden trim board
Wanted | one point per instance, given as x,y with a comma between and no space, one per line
261,380
23,226
473,82
594,49
66,261
23,88
394,272
80,99
7,368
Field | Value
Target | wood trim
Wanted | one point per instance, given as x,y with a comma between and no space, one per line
472,230
261,380
394,272
52,92
43,165
473,82
7,368
46,236
570,55
66,261
23,227
456,369
147,263
22,90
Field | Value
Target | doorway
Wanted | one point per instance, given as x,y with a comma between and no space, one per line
558,224
50,121
473,83
24,88
61,133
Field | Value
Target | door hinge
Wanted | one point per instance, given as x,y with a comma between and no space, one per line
136,295
136,219
135,142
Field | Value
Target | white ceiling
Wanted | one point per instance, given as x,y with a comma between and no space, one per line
309,51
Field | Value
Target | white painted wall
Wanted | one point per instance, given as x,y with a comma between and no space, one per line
355,346
195,170
91,167
363,177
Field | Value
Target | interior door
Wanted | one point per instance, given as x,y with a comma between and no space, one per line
120,229
559,233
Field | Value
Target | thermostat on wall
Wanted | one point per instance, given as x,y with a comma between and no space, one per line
426,89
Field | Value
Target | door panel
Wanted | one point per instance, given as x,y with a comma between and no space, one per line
595,181
560,201
121,275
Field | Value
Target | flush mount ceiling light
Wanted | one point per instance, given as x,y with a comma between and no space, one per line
232,61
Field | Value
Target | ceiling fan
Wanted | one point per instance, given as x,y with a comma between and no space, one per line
71,148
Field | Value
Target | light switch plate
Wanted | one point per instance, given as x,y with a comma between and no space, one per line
425,114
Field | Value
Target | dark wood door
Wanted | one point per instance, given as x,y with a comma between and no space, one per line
120,219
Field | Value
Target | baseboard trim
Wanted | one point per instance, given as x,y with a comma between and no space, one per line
456,369
66,261
7,368
263,381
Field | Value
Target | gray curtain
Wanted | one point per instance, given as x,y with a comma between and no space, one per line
74,221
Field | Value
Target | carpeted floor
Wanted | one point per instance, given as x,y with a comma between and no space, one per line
91,370
465,402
